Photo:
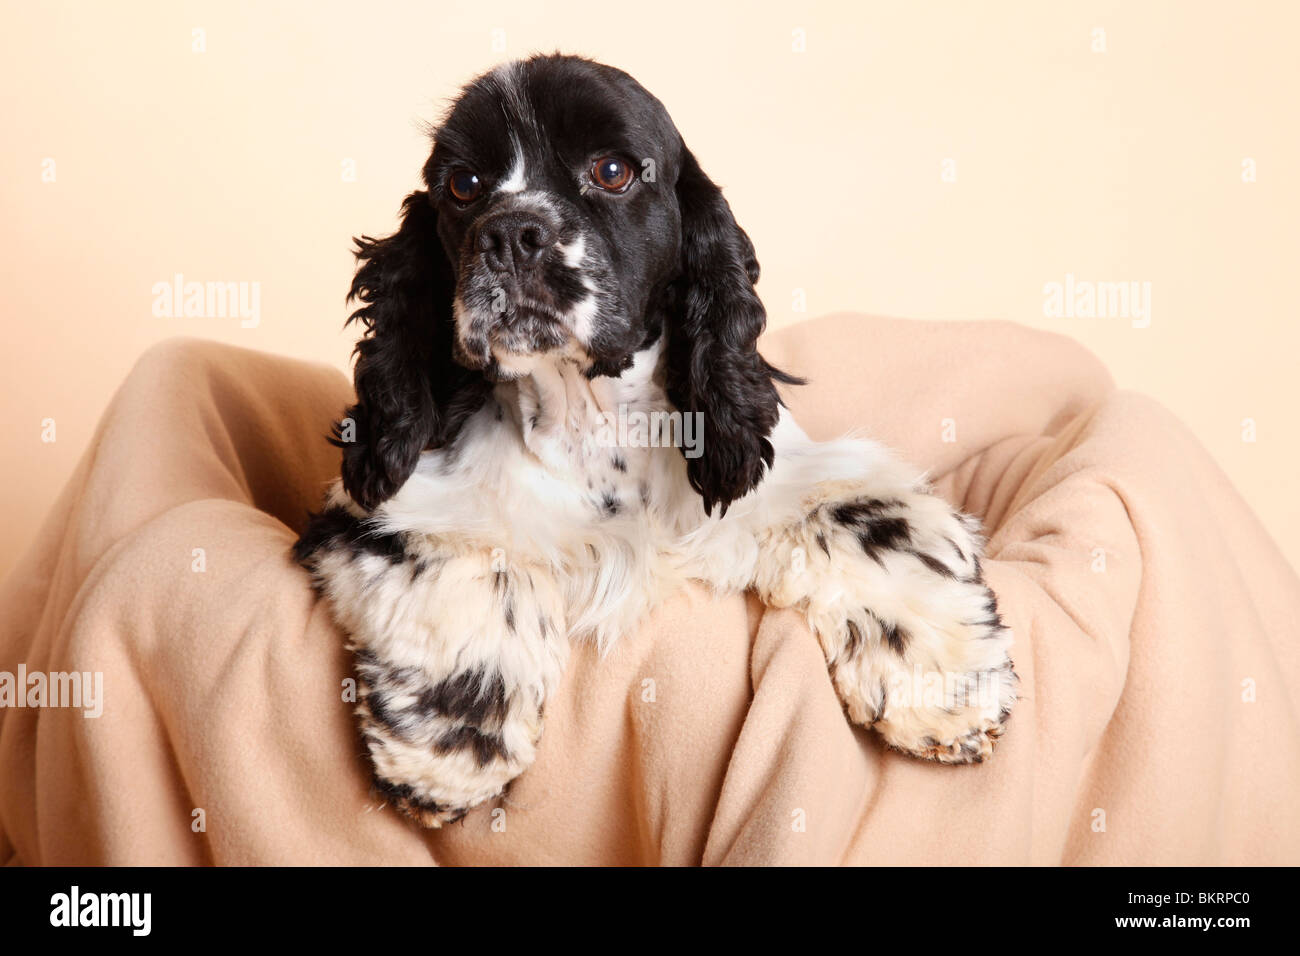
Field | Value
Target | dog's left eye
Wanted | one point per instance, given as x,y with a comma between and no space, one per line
611,174
464,184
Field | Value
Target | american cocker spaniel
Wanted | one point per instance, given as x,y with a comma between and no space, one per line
561,415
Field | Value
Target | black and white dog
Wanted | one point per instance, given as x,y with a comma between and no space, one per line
568,299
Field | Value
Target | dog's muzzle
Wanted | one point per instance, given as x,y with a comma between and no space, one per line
513,298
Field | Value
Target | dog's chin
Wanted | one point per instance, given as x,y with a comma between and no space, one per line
509,345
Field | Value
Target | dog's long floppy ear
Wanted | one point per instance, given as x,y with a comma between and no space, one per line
714,321
410,394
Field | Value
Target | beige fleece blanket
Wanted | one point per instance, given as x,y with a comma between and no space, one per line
1155,622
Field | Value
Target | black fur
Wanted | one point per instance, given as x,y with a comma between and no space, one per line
877,531
337,528
894,636
410,394
714,323
934,564
486,746
471,696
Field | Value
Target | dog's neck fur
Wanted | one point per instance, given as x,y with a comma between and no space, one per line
570,422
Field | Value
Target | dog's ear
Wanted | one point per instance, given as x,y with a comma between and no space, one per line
410,394
713,323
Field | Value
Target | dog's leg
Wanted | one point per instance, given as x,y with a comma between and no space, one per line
889,578
456,655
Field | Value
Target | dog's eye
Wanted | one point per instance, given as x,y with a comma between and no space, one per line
611,173
464,185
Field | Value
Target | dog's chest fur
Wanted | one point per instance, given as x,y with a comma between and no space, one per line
569,424
541,475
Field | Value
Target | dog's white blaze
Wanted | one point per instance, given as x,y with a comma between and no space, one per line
516,179
582,319
575,252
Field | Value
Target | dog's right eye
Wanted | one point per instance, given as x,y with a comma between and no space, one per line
464,185
611,174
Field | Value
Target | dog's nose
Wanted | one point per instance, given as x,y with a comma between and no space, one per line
511,241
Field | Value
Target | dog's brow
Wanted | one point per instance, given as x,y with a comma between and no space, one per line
515,179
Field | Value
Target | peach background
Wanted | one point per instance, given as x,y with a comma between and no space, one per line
225,165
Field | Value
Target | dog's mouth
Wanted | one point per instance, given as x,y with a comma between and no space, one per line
500,329
525,311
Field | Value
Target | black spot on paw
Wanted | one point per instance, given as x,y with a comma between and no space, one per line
882,535
895,637
934,564
486,747
400,723
855,642
864,510
821,542
876,529
471,696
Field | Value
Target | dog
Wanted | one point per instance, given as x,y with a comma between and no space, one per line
569,270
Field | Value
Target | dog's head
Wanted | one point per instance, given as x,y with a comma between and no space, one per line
562,214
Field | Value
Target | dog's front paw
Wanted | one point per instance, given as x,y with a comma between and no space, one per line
892,586
940,674
455,657
441,744
944,716
935,680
